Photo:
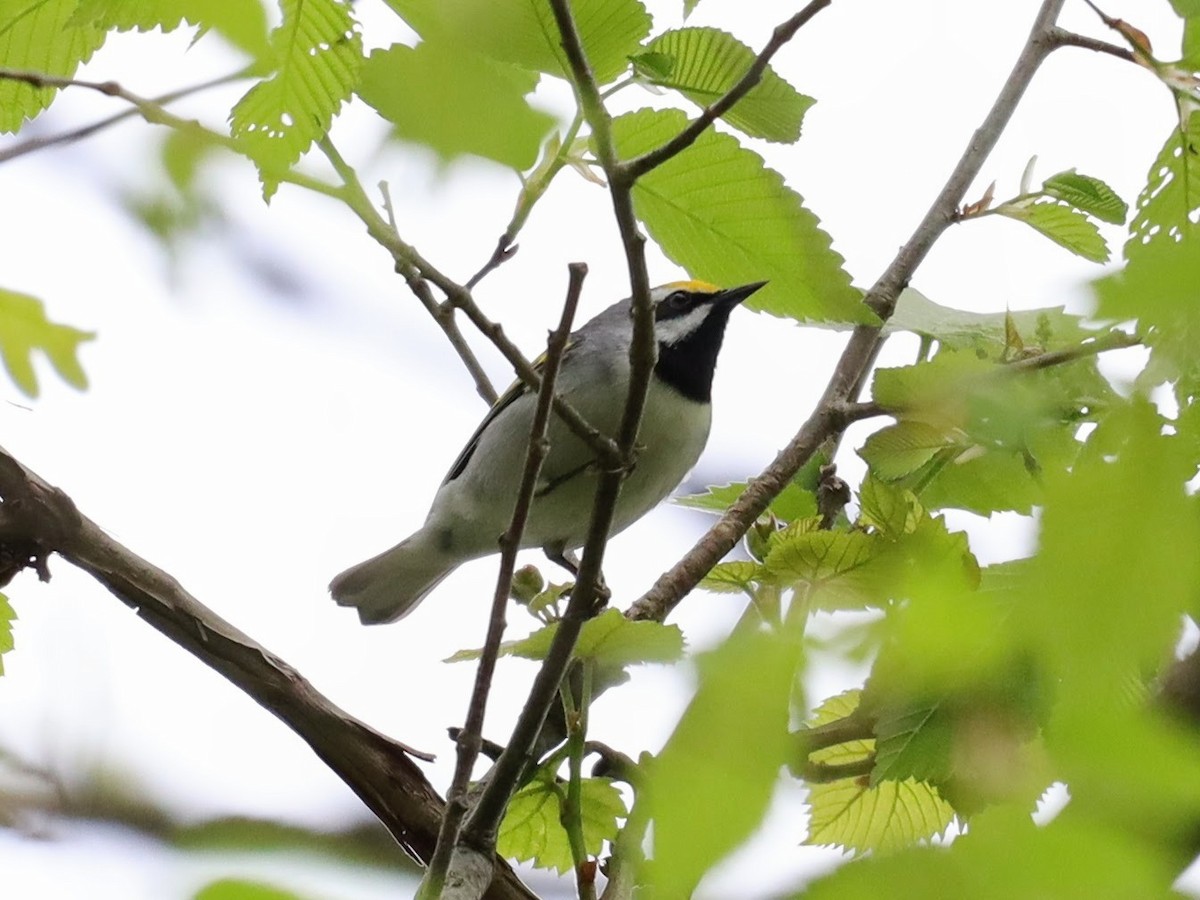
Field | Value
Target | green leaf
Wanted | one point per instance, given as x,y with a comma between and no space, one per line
833,569
1087,194
1066,226
242,23
719,212
710,787
532,828
1186,9
1051,327
24,328
857,815
1110,581
1006,855
40,36
689,6
732,577
240,889
7,616
1171,198
524,33
319,52
793,502
901,449
893,511
456,102
608,639
707,62
1158,288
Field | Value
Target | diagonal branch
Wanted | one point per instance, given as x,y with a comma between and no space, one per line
377,768
828,419
32,145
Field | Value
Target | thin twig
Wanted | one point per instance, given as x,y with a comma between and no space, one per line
1064,38
481,826
470,738
419,273
783,33
32,145
1113,340
860,352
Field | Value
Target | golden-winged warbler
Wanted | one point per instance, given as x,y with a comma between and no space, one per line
474,505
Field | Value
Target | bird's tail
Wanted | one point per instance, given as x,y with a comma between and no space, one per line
389,586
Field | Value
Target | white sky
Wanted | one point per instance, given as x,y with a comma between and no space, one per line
254,441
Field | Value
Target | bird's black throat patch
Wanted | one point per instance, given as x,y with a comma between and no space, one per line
688,364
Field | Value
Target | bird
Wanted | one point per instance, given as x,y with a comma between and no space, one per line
474,504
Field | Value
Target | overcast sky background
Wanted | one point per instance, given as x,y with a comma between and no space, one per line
272,406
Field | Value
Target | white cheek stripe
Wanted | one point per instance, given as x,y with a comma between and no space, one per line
671,331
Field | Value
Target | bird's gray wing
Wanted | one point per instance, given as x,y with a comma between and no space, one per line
515,390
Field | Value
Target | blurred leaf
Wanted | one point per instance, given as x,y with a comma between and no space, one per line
857,815
1051,327
1089,195
237,889
24,328
707,62
1005,856
241,22
1160,287
7,616
456,102
1065,225
532,828
1116,568
901,449
892,510
1168,204
319,54
710,786
524,33
793,502
608,639
719,212
40,36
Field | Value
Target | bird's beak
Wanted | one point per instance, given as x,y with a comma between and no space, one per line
731,297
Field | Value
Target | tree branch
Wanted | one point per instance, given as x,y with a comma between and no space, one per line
861,350
75,134
419,273
470,738
481,826
377,768
784,32
1113,340
1064,38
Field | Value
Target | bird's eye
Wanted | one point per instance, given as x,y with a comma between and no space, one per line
677,302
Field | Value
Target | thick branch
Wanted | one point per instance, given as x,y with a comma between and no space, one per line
377,768
859,355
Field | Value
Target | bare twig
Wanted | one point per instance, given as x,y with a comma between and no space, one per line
783,33
861,350
419,273
377,768
75,134
469,740
1064,38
